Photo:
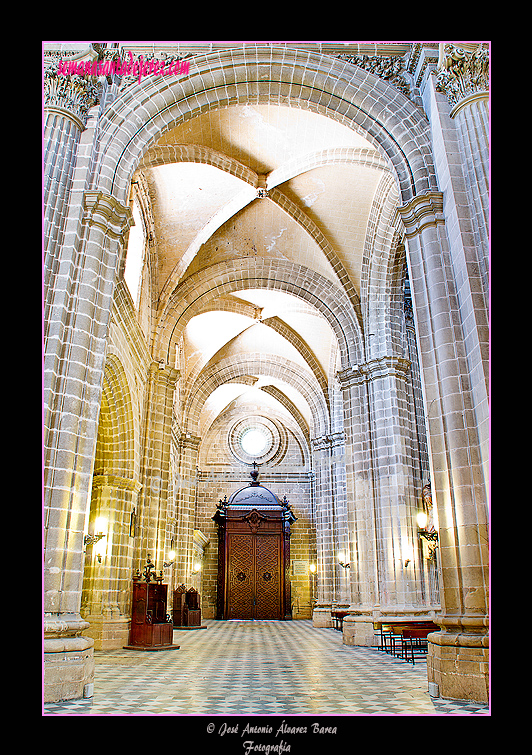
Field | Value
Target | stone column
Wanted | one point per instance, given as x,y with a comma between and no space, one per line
154,498
76,332
456,101
331,525
109,562
360,492
458,654
387,513
464,77
187,453
77,302
67,100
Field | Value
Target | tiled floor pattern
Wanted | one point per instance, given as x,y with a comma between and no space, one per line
248,668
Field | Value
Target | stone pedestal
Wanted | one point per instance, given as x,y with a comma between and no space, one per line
321,617
457,666
358,630
108,633
68,669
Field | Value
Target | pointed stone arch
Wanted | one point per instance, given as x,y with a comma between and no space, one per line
274,275
256,364
115,451
331,87
380,287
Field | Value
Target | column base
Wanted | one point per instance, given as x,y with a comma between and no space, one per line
458,666
68,668
108,634
321,617
358,630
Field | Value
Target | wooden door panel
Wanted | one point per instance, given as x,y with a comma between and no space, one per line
240,576
253,576
267,577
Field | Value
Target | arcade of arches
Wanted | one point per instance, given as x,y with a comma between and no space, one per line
276,259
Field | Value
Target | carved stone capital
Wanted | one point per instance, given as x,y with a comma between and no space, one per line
187,440
72,96
463,73
373,370
422,211
328,442
105,212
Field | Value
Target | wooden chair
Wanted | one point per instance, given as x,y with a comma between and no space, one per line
192,609
414,641
338,619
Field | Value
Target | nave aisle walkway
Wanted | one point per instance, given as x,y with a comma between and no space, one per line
259,668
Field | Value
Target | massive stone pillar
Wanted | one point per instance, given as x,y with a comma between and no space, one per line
457,660
155,499
460,119
109,561
82,253
187,461
67,100
360,487
331,525
386,564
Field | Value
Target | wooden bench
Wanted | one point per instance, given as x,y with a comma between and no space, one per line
338,619
391,635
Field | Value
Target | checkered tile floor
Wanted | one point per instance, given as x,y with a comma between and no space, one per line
257,668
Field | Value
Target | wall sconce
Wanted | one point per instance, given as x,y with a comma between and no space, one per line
342,560
171,556
197,567
100,526
430,536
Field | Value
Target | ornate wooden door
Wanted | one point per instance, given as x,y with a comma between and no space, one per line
254,584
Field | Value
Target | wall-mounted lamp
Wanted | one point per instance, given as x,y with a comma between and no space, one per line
197,567
342,560
171,556
431,536
100,526
91,539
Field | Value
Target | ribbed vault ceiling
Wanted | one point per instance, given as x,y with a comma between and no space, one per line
322,180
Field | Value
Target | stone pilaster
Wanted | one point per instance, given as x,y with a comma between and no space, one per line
74,357
154,500
464,77
457,660
187,452
108,563
331,525
385,559
360,490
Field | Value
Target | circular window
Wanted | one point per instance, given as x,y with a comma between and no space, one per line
254,441
255,438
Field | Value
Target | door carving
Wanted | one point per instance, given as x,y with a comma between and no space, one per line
254,576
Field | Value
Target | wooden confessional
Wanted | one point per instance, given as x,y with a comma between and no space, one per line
151,627
253,555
